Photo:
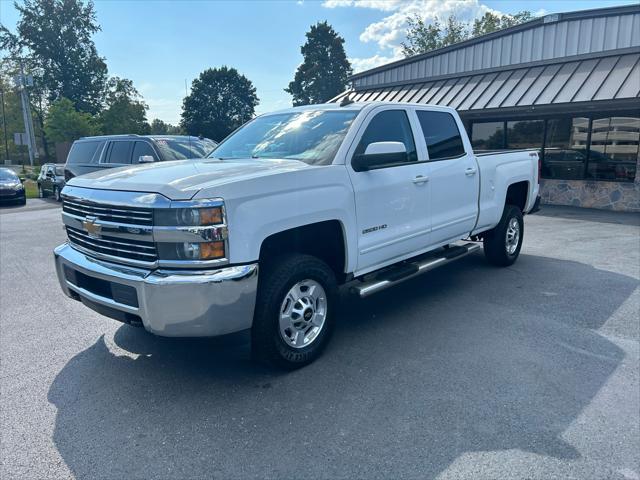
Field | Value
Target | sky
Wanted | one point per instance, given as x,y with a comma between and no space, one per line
160,45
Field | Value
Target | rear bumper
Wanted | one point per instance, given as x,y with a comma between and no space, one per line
168,303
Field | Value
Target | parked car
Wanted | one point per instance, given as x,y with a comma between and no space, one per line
11,187
260,235
51,180
89,154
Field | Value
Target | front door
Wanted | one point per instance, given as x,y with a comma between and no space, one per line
392,199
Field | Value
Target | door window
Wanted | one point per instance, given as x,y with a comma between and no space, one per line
389,126
143,148
441,135
120,152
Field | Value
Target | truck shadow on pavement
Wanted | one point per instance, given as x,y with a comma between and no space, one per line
470,359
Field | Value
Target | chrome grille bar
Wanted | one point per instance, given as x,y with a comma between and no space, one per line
132,216
116,247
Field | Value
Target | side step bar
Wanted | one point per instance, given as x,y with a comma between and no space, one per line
412,269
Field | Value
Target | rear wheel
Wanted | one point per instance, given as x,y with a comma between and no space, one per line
56,194
295,310
502,244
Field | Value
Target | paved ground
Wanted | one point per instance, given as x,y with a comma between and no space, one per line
32,204
469,372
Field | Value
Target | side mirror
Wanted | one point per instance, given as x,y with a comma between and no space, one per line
378,154
146,159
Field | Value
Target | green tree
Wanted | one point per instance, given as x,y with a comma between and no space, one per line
125,110
158,127
423,37
324,70
65,124
221,100
490,23
54,38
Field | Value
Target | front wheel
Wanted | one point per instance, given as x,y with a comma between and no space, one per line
40,191
56,194
295,311
502,244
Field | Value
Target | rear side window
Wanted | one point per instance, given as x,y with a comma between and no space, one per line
83,152
120,152
389,126
441,135
143,148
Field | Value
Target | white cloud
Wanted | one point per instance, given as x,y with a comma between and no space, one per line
367,63
390,32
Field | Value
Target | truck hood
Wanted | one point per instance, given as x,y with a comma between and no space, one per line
181,180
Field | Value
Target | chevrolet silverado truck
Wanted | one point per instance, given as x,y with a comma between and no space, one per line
294,204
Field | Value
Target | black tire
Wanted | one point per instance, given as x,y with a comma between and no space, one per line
276,279
23,201
56,194
495,241
41,193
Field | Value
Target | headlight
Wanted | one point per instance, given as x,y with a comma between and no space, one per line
188,217
18,186
192,250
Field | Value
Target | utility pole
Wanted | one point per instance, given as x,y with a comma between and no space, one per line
4,124
22,82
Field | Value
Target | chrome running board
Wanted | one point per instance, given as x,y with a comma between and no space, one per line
411,269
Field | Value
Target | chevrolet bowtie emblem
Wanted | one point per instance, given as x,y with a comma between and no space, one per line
92,228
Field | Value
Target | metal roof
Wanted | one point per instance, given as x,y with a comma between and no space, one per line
613,77
547,39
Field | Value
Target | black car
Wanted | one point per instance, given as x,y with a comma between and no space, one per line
89,154
11,188
51,180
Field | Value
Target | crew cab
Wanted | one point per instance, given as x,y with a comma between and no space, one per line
291,206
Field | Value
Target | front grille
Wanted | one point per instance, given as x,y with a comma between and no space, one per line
109,213
114,246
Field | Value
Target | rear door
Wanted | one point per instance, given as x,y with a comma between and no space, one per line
84,157
391,200
118,153
453,176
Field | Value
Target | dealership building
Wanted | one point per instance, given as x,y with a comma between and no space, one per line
567,84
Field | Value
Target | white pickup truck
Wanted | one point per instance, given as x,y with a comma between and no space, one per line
289,207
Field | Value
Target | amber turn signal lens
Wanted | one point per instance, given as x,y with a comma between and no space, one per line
211,250
210,216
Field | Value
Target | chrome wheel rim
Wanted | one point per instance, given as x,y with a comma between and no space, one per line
57,194
513,236
302,313
40,193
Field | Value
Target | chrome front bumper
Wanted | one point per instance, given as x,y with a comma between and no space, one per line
168,303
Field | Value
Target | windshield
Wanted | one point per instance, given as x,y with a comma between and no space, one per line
7,175
312,136
184,148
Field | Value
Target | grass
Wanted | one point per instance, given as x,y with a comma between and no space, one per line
31,188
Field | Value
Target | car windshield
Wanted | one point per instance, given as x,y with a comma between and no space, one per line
7,175
312,136
184,148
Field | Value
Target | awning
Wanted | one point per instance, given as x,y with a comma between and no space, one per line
608,78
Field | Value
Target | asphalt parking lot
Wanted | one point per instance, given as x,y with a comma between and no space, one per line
468,372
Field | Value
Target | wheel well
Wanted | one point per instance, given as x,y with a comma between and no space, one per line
517,195
324,240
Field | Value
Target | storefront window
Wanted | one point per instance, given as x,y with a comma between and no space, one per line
613,151
487,135
525,134
565,152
